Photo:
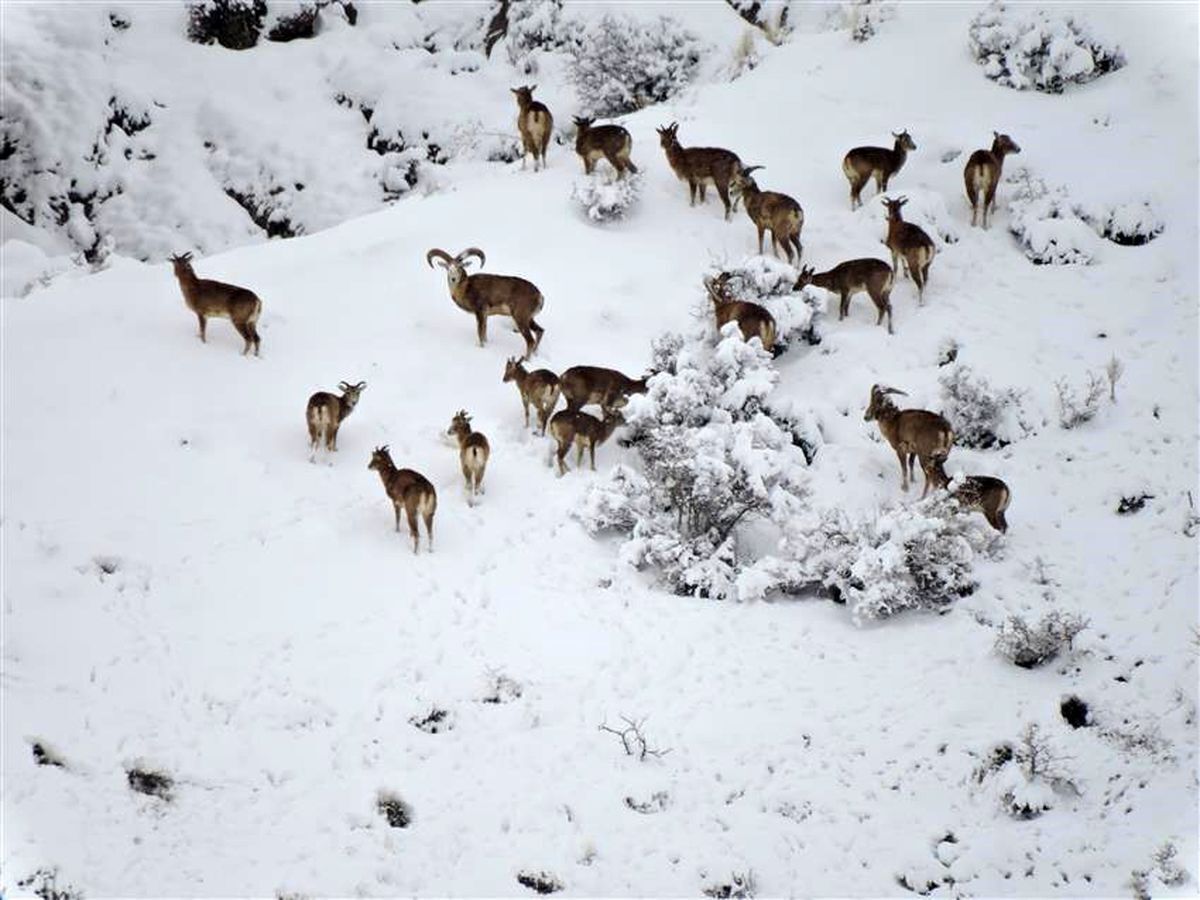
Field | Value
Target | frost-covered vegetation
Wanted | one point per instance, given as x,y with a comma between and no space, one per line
1024,46
712,460
982,416
1046,223
619,65
603,198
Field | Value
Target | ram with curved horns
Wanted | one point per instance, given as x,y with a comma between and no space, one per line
483,294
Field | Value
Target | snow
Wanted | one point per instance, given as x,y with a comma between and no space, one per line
184,591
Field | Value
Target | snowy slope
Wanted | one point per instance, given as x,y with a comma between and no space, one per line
183,590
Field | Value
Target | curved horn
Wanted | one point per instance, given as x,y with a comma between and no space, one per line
892,390
343,385
469,252
748,169
435,253
362,385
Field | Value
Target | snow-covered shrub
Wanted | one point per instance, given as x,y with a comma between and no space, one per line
1026,776
1129,224
982,416
745,55
861,18
771,283
770,16
537,25
1024,46
234,24
740,886
1078,405
604,198
917,556
1029,646
1047,224
620,65
711,459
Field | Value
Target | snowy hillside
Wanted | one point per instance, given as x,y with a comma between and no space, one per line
186,595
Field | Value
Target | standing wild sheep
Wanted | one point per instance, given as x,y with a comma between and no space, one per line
913,433
473,453
326,412
217,300
535,125
409,491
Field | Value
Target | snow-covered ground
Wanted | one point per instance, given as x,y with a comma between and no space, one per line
184,591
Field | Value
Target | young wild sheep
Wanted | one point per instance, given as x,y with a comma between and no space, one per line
862,164
769,210
584,431
408,490
611,142
326,412
910,244
535,125
217,300
982,175
538,389
872,276
473,453
981,492
701,166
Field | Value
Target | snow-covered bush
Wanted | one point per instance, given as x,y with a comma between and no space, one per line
711,459
620,65
604,198
1024,46
234,24
1047,224
905,557
982,416
861,18
1130,224
771,283
1029,646
1026,776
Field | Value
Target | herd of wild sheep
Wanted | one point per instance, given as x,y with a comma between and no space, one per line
915,434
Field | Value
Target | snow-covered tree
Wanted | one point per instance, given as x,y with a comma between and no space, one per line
711,459
1024,46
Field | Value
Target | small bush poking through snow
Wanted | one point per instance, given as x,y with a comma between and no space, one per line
983,417
1029,646
1047,224
604,198
1026,47
861,18
149,782
398,813
44,885
435,721
541,882
740,886
502,688
621,65
1078,405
